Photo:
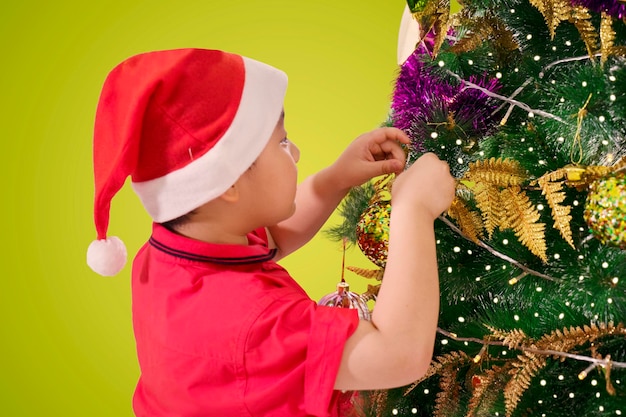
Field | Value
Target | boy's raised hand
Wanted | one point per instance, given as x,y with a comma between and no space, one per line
426,184
374,153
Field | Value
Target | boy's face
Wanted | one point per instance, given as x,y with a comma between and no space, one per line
271,181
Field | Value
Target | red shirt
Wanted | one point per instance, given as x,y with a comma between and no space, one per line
222,330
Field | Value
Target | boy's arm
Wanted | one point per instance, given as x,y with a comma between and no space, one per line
372,154
396,347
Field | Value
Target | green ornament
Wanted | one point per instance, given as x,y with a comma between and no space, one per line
605,210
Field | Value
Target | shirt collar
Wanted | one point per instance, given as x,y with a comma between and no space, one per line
183,247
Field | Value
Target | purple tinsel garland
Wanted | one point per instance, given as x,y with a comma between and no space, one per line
615,8
419,94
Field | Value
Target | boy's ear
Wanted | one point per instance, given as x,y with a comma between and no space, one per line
231,195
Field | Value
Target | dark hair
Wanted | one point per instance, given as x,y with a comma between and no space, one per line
175,224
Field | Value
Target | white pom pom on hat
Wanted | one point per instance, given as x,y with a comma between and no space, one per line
107,256
184,124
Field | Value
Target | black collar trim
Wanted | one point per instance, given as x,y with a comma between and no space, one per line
216,260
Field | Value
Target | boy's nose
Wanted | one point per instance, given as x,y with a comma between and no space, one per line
295,152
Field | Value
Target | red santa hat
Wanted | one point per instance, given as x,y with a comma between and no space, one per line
184,124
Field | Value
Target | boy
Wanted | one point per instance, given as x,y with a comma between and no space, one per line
221,329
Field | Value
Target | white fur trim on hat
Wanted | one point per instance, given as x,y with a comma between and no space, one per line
179,192
409,35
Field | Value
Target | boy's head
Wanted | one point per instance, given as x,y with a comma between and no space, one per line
184,124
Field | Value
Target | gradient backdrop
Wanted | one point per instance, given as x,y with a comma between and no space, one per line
67,347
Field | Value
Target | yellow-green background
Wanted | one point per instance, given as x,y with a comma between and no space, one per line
67,347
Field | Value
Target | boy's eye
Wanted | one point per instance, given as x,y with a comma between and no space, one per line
284,141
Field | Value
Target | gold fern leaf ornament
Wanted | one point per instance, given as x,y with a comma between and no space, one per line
433,17
583,177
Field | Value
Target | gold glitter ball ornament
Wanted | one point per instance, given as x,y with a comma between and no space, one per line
605,210
372,231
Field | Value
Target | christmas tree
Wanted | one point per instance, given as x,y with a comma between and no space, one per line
526,101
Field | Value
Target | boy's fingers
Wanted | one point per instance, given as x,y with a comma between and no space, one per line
391,134
389,150
389,166
396,134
